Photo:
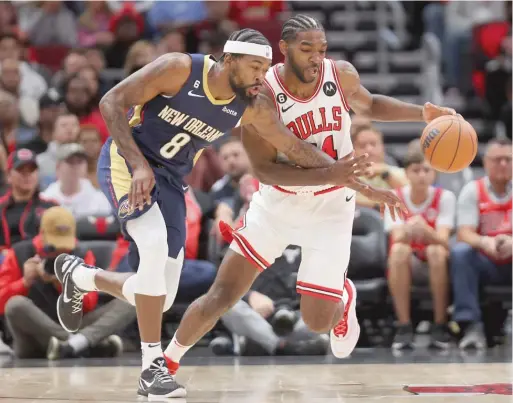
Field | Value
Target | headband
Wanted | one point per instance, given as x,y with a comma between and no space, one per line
246,48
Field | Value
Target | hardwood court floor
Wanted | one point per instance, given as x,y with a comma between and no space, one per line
327,382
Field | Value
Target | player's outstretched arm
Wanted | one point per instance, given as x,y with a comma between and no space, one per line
380,107
263,157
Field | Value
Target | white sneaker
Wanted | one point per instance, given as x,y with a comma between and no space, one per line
345,334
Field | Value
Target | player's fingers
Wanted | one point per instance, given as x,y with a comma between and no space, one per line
382,210
361,158
138,197
391,208
131,194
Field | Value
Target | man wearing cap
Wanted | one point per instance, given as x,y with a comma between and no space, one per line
21,206
72,189
29,290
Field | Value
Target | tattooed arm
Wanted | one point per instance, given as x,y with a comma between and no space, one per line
165,75
381,107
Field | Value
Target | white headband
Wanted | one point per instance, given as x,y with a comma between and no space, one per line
246,48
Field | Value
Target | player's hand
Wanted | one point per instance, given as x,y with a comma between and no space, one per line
247,186
384,197
431,112
375,170
143,180
32,270
503,246
489,246
347,169
261,303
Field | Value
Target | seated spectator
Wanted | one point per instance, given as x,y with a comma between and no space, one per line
139,55
21,205
164,16
244,12
419,250
29,291
79,100
72,189
55,25
32,84
93,25
90,139
234,163
483,255
65,130
10,80
172,41
8,19
50,107
96,60
367,139
206,171
127,26
90,76
11,131
74,61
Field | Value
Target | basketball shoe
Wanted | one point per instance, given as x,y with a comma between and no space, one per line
345,334
157,382
69,304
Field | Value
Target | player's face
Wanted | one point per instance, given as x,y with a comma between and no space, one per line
497,163
305,54
420,175
247,74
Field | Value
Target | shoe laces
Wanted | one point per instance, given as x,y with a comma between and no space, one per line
341,328
77,300
161,372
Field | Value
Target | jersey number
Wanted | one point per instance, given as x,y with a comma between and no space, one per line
329,148
171,148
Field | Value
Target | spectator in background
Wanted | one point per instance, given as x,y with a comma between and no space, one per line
32,84
163,16
419,250
11,131
140,54
74,61
93,25
235,163
96,59
90,76
127,26
90,139
21,205
206,171
483,255
245,13
65,130
29,291
10,80
8,19
171,41
367,139
50,107
79,101
73,190
55,25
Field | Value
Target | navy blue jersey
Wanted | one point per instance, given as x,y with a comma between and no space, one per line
171,131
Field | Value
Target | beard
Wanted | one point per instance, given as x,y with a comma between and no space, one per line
241,91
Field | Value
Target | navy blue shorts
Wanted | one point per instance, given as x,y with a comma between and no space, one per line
115,177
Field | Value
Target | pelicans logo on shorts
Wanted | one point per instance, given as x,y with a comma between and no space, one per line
124,209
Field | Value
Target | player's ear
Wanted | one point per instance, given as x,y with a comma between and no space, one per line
228,59
284,46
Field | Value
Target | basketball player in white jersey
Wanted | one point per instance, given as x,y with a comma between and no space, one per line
312,96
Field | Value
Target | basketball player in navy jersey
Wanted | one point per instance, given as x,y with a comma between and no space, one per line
307,88
178,104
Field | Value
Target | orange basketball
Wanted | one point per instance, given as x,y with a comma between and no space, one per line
449,143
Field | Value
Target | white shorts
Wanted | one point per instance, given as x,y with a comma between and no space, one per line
325,242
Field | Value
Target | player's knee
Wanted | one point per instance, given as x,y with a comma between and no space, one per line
400,251
436,254
318,314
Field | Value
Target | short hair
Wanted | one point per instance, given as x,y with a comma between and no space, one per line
299,23
501,142
414,157
355,131
247,35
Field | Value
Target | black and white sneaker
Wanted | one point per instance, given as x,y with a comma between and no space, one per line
69,304
157,382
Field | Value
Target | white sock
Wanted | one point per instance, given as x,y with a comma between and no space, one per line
175,351
78,342
84,278
150,351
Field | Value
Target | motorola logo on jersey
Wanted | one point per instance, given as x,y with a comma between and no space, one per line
329,88
229,111
321,121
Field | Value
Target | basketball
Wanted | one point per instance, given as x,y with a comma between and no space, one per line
449,143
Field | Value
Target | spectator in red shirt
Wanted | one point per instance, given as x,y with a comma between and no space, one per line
29,291
244,12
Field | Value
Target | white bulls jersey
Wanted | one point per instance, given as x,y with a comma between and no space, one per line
323,119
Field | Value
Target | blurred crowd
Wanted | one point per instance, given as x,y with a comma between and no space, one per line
58,58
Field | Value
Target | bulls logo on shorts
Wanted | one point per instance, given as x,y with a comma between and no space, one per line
124,209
